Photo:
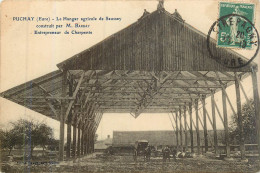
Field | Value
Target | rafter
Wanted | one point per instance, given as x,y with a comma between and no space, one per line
140,77
74,95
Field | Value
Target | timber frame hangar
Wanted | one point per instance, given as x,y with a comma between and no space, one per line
158,64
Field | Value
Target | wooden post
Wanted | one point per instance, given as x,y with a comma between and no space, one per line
62,116
74,141
88,136
69,135
239,119
191,131
224,102
88,142
93,142
86,139
205,125
181,139
174,128
69,121
257,107
197,124
82,140
177,130
78,146
214,123
74,145
185,128
85,143
92,138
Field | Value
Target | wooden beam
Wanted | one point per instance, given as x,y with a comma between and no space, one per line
205,124
120,97
181,128
208,115
79,138
133,106
257,107
200,121
74,143
244,93
133,103
74,95
82,141
224,89
163,80
227,74
86,100
191,130
99,117
166,86
177,129
150,91
209,137
69,122
214,124
87,142
68,148
240,120
226,123
174,129
140,77
75,118
82,114
85,90
197,125
53,109
218,111
62,117
46,92
129,110
211,79
185,127
48,97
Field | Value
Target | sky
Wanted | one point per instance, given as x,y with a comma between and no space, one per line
26,56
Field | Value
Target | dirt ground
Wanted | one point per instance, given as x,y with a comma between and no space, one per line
106,163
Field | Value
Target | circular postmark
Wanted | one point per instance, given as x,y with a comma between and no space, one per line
233,31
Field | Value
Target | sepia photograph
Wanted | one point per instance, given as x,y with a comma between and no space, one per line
129,86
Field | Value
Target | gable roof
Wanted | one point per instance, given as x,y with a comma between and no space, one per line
158,41
157,64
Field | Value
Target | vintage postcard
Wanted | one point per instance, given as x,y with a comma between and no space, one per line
129,86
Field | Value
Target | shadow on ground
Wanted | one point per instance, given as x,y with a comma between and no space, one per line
110,163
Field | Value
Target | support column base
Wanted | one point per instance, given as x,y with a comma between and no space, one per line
199,156
193,155
61,163
228,159
245,160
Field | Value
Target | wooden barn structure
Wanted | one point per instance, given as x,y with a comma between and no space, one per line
158,64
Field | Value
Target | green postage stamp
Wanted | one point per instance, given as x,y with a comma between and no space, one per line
235,27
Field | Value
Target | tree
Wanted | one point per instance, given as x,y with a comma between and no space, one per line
32,133
249,124
10,138
53,144
27,133
44,134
